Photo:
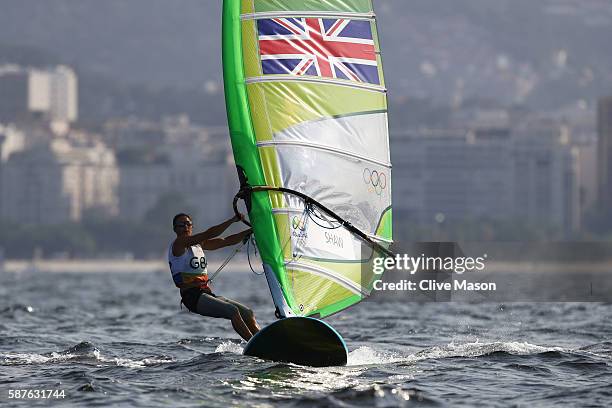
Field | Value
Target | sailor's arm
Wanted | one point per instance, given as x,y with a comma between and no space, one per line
230,240
181,243
217,229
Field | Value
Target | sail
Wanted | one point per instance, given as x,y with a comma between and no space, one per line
307,111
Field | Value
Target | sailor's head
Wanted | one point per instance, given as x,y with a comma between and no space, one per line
181,223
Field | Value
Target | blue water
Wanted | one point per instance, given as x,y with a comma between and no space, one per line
122,340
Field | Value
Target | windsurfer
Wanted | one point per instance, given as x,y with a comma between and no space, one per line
189,271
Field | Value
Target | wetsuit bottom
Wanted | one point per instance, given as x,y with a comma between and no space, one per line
208,304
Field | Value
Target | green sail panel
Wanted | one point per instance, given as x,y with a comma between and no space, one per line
307,111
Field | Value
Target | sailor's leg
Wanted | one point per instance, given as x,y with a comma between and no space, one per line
217,307
240,327
247,314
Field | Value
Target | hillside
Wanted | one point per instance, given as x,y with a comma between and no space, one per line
543,54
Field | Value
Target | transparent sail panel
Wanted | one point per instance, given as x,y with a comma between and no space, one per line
357,191
362,136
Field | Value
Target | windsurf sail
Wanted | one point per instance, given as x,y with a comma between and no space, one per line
307,111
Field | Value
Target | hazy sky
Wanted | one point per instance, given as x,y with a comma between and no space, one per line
512,50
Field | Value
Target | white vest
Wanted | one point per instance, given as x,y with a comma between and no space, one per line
192,262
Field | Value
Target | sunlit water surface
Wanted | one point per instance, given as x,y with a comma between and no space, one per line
121,339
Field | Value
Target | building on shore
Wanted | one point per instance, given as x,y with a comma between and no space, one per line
58,181
452,175
12,140
546,173
14,85
180,160
528,174
51,93
604,159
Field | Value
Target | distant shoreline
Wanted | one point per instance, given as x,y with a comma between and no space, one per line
240,265
109,266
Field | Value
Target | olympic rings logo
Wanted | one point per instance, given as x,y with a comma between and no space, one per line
298,223
375,180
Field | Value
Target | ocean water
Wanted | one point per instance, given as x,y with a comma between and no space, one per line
122,340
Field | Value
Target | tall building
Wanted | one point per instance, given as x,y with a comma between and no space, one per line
175,158
526,174
546,191
14,102
604,159
57,181
11,141
206,186
52,93
454,174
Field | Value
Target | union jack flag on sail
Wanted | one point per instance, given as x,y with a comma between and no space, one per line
329,48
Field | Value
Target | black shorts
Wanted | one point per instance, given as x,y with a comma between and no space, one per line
190,297
208,304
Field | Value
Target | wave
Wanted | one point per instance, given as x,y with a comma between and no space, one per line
84,352
365,355
602,349
9,311
369,356
229,347
379,395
